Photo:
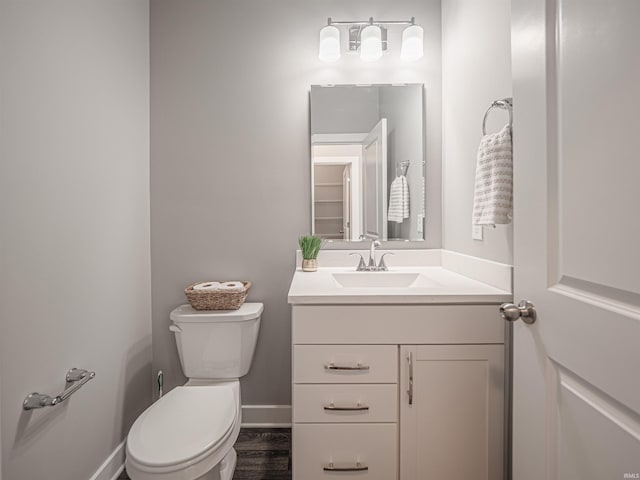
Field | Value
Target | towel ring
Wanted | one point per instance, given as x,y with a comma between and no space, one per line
505,104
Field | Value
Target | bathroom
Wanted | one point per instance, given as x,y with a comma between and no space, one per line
147,145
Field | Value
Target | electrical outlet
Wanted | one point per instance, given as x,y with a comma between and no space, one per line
476,232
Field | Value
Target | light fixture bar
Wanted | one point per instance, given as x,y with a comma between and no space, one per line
371,21
354,37
369,37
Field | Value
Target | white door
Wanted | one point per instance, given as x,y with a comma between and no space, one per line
375,182
576,92
346,202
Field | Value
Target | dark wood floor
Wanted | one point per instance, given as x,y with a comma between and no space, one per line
263,454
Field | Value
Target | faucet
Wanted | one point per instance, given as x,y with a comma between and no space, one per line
372,254
371,266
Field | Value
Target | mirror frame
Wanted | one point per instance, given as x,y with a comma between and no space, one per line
334,244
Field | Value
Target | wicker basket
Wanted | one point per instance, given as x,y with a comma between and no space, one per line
218,299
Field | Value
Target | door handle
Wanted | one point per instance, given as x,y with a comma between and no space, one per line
525,310
410,379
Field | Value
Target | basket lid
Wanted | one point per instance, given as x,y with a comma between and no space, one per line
187,314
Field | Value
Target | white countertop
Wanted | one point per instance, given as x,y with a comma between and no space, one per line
436,284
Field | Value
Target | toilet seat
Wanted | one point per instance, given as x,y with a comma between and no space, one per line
185,426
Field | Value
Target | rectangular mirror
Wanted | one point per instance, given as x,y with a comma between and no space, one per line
368,162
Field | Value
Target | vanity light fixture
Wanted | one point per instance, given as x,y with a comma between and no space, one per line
329,43
412,43
371,43
369,38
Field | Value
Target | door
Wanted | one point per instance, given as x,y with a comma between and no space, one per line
451,412
375,182
346,202
577,239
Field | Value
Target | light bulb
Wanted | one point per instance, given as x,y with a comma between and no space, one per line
412,43
370,43
329,44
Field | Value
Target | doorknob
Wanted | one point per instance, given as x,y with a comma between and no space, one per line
524,310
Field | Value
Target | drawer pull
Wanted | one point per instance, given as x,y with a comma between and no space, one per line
334,407
358,467
358,366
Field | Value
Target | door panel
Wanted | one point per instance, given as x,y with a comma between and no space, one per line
576,229
375,182
597,80
346,202
593,426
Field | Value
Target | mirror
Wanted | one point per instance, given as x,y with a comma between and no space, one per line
367,162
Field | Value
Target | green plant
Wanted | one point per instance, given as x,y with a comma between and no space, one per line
310,246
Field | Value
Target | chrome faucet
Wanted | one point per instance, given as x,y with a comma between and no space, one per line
372,254
371,266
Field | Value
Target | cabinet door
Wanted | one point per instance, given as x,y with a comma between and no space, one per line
451,413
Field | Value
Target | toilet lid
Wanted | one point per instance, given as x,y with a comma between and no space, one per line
182,425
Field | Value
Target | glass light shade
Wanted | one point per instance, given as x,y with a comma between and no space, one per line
412,43
370,43
329,44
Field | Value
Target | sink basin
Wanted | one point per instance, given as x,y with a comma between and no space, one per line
376,279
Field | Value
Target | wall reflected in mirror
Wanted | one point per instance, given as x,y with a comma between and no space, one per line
368,167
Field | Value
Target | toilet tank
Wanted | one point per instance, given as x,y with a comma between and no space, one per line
216,344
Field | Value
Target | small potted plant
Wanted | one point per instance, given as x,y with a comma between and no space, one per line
310,246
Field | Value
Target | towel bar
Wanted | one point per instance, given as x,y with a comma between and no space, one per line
76,376
404,166
505,104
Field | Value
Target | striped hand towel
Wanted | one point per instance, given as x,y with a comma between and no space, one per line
492,200
398,200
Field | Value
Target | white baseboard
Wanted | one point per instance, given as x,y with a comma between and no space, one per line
266,416
112,466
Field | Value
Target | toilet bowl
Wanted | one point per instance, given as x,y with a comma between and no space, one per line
188,434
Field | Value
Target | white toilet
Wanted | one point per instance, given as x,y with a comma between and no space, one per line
188,434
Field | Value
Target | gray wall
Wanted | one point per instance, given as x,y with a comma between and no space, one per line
344,110
74,243
405,142
476,69
230,156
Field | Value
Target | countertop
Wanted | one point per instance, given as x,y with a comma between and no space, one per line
437,284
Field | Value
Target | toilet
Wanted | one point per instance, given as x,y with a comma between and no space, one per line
188,434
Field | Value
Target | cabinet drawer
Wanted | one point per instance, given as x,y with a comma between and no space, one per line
345,403
345,363
387,324
316,446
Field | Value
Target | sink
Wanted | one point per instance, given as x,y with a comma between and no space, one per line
377,279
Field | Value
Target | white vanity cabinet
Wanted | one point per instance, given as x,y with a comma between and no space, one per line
409,392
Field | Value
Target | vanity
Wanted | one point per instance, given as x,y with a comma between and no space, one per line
399,374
